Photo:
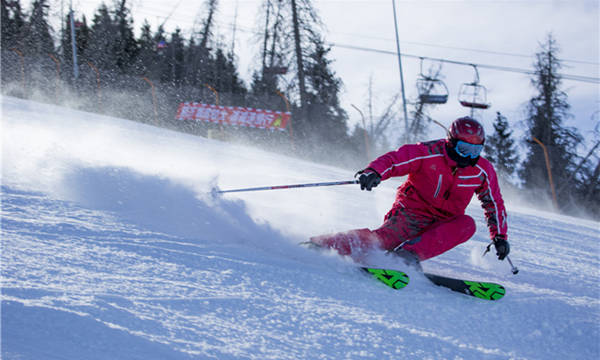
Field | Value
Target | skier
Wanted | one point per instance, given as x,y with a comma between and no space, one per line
428,217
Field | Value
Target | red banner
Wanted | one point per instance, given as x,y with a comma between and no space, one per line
235,116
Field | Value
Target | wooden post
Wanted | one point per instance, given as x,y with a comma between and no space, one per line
215,92
153,100
57,74
548,168
287,106
217,103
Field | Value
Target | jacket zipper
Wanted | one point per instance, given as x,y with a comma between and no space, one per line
447,193
439,187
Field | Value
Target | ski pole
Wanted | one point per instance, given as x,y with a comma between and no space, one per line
290,186
514,269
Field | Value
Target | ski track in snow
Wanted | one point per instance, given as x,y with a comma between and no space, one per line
106,255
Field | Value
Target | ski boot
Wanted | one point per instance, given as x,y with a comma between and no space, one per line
407,257
311,245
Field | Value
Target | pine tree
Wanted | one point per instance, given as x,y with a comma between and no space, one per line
199,65
263,84
176,57
82,35
12,24
323,105
38,38
290,30
546,113
192,63
590,189
299,57
230,79
102,39
276,49
208,23
5,24
124,45
147,51
160,68
500,148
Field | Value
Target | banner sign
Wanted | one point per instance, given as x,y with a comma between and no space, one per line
235,116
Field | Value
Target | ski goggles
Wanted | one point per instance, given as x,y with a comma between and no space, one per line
466,149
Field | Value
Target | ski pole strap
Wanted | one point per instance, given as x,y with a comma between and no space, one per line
488,248
278,187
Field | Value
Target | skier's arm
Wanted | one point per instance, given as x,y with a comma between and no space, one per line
492,203
400,162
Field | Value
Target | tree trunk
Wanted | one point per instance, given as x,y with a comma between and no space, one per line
300,63
264,54
275,33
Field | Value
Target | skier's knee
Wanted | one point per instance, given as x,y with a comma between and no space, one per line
466,227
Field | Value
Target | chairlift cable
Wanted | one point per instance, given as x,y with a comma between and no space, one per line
503,53
581,78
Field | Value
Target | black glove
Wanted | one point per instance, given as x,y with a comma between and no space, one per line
502,247
368,179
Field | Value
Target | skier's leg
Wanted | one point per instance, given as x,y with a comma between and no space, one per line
353,242
401,225
441,237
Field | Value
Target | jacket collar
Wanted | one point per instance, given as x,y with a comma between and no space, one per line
451,163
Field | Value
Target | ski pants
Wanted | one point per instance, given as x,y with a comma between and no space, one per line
423,235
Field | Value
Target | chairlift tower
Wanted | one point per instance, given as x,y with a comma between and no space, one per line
401,75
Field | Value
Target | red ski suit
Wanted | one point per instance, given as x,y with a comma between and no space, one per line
429,210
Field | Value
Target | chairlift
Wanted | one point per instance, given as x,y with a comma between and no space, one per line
473,95
431,90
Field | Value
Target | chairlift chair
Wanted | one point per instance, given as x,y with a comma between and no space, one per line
473,95
431,90
438,93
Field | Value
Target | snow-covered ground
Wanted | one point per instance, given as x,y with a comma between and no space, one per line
114,248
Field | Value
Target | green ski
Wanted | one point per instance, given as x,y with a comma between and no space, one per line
397,280
392,278
481,290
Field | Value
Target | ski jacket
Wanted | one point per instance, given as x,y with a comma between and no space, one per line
437,187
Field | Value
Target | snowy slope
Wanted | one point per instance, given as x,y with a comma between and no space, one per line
113,248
